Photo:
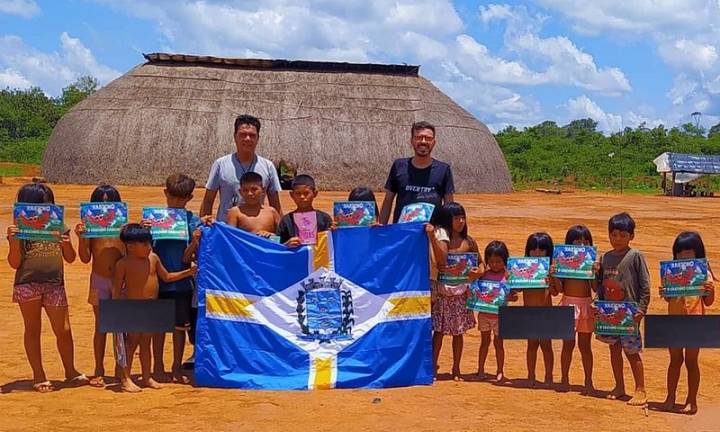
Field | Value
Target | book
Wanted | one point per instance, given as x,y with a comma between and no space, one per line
103,219
683,277
615,318
39,222
354,213
528,272
306,227
167,223
486,296
574,261
458,268
416,212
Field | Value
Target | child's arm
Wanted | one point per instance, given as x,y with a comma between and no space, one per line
191,249
709,287
233,217
68,251
15,255
643,280
118,278
439,248
167,276
83,244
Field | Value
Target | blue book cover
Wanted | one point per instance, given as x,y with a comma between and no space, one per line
166,223
103,219
683,277
528,272
574,261
354,213
38,222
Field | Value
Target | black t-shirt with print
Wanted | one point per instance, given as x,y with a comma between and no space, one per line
413,184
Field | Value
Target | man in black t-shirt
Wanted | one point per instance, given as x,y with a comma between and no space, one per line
419,178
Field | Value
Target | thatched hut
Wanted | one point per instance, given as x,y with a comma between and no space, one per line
343,123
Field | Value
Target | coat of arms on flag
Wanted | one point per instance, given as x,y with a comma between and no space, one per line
351,311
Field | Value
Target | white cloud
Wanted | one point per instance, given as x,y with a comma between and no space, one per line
12,79
49,71
566,64
688,54
583,107
23,8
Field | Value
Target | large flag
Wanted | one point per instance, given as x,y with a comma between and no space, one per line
351,311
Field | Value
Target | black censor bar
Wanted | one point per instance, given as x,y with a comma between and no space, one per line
537,322
137,316
682,331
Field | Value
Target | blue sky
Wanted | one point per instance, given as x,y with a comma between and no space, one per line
509,62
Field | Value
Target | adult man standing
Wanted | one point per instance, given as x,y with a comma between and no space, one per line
419,178
226,172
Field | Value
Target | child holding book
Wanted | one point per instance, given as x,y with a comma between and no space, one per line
104,254
137,275
624,276
449,313
40,283
496,257
303,194
178,193
578,294
539,244
688,245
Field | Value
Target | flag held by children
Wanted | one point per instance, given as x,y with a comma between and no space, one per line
351,311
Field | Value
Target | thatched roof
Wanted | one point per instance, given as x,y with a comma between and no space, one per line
343,123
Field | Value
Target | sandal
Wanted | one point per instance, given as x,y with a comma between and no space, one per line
78,381
97,381
43,387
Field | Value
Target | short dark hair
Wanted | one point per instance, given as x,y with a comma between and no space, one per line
496,248
689,240
303,180
577,232
539,240
135,233
36,193
622,222
180,185
247,119
362,193
251,177
419,126
105,191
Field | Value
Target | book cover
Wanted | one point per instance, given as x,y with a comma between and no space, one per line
615,318
458,268
103,219
528,272
354,213
38,222
683,277
166,223
306,227
416,212
574,261
486,296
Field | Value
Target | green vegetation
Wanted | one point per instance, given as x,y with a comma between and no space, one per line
578,155
27,117
546,155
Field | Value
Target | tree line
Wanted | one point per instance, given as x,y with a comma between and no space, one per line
576,154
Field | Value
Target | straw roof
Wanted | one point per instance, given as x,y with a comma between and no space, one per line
343,123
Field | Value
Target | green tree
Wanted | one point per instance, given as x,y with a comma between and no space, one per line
715,130
76,92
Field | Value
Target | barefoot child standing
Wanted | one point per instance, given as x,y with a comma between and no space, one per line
624,276
104,254
138,274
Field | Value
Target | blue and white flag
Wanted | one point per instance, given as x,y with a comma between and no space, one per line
351,311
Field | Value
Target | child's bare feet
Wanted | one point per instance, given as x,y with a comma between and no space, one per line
564,385
456,375
179,377
162,376
127,385
588,390
549,381
501,378
668,405
690,408
638,399
151,383
617,393
482,376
